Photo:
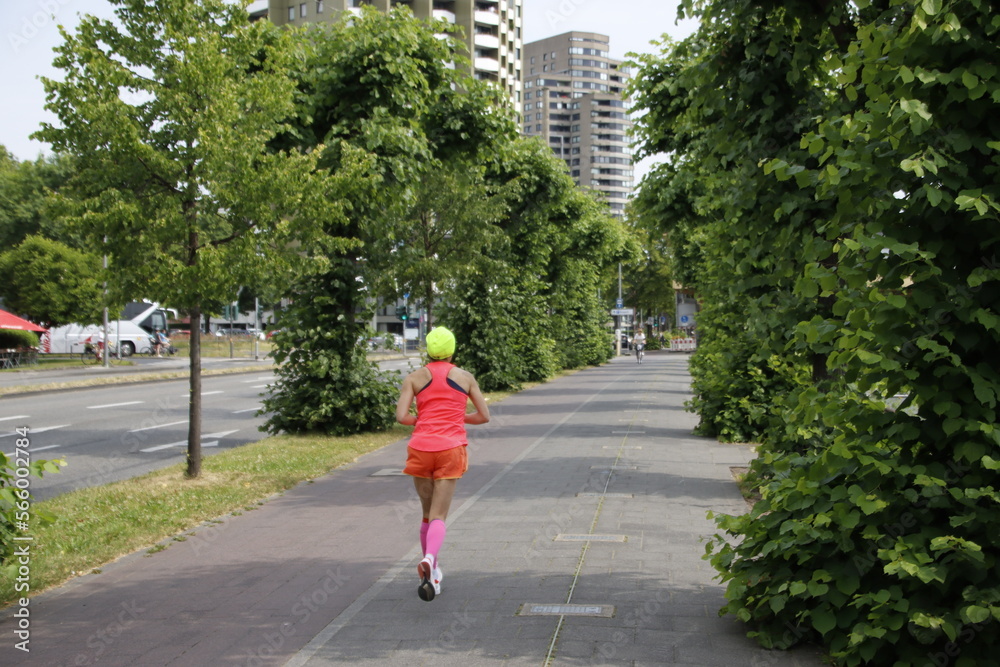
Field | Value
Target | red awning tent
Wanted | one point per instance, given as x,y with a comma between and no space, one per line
11,321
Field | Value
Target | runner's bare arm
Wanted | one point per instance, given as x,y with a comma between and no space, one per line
406,395
482,413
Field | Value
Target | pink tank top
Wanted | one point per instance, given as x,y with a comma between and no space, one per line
440,412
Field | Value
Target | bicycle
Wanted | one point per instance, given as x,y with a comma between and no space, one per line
640,351
150,351
92,354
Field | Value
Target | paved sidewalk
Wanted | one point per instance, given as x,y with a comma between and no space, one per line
576,538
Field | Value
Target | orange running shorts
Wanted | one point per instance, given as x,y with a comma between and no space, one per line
448,464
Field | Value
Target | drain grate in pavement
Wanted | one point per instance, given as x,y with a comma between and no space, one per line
614,467
563,537
387,472
532,609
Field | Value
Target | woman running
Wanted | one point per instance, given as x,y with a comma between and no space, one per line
436,455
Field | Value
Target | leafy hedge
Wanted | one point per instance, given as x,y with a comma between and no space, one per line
16,512
15,338
325,382
852,150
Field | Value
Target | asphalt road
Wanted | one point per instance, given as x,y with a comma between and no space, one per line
114,432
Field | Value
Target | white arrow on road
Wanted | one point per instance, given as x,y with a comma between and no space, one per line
204,437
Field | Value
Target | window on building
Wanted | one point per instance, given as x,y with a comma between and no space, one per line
291,13
302,10
319,6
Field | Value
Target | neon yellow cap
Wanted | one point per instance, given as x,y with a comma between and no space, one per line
440,343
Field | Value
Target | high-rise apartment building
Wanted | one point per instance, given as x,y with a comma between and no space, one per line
491,29
574,100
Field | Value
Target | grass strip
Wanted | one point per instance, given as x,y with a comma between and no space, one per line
98,525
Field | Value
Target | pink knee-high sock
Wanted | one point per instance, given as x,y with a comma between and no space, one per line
423,535
435,538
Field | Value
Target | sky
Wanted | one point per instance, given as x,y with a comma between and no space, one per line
30,31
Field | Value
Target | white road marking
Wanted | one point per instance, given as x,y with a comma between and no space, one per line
237,412
35,449
204,393
147,428
34,431
113,405
3,419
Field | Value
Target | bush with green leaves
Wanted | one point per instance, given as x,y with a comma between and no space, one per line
501,339
17,514
17,338
876,533
737,384
325,382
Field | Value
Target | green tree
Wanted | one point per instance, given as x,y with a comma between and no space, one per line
531,306
449,223
52,283
169,112
26,202
739,92
376,89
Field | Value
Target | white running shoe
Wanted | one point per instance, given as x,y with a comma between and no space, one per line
426,590
436,576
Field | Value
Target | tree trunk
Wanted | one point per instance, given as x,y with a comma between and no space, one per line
194,406
429,307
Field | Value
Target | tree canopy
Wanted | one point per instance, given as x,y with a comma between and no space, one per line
52,283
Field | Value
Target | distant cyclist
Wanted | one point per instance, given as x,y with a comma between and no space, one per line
96,343
639,343
436,455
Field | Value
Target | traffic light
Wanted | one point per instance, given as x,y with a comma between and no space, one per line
403,313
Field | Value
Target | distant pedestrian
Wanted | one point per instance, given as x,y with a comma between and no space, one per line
437,455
